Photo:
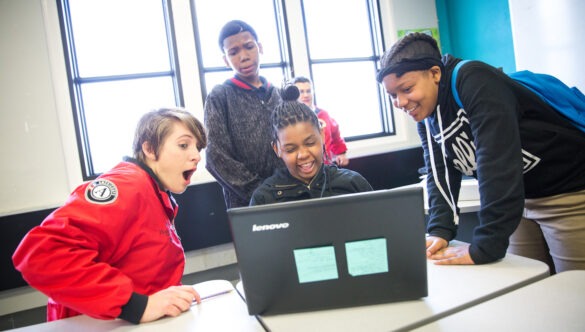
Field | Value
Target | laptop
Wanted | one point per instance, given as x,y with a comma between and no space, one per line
333,252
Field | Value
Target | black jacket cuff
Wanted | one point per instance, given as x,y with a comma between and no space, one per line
134,309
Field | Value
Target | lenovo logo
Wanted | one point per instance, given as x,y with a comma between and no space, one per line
270,227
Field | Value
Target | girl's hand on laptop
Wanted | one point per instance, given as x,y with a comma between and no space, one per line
445,255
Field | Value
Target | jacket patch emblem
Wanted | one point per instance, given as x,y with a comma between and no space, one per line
101,192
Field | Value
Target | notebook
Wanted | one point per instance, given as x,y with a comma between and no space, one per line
333,252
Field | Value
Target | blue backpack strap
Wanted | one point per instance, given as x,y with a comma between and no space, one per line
570,102
454,79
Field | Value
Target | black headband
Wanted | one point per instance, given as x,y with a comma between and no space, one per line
407,65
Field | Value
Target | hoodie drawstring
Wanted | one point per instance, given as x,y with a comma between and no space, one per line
451,200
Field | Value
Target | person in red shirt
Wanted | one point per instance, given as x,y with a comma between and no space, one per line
111,251
335,148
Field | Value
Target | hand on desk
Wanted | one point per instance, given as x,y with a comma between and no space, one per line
438,250
169,302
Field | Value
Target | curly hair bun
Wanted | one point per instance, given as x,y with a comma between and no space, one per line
290,93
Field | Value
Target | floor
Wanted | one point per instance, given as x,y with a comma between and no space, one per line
37,315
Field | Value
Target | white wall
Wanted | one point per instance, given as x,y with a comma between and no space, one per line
413,14
549,37
33,172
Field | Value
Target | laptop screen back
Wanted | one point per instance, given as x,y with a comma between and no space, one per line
341,251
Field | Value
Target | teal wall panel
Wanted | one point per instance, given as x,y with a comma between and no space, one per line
477,30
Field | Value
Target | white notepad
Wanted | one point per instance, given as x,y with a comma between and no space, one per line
211,288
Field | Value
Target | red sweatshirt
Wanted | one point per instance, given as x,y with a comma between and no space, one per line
334,143
114,238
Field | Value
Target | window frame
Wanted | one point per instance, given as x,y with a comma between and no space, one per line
378,45
75,81
386,112
187,58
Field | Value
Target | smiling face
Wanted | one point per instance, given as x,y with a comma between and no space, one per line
306,93
300,146
242,55
415,92
177,160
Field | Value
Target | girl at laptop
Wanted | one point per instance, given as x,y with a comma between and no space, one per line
111,251
298,141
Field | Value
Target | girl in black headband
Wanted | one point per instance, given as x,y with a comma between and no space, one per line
528,159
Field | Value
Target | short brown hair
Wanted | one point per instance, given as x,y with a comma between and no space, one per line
154,127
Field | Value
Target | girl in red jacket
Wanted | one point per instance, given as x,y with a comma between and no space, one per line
112,250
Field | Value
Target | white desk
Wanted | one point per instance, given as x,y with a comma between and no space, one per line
226,312
552,304
451,289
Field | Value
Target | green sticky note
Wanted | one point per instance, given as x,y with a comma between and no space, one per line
366,257
316,264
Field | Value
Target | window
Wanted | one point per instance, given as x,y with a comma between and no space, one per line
125,57
120,65
343,51
265,16
342,57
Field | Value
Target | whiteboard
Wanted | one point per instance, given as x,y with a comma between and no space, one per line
549,37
